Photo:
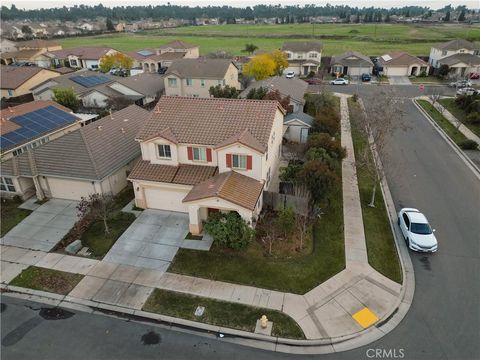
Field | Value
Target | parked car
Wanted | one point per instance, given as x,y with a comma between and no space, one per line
417,231
290,74
467,91
339,81
460,84
366,77
474,76
313,81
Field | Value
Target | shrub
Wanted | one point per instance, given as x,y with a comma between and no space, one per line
316,103
468,144
422,74
311,74
229,230
286,221
320,179
327,122
473,118
355,97
316,153
325,141
290,173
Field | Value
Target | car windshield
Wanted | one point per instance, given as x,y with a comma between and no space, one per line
422,229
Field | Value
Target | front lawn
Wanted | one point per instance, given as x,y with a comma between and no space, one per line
459,113
53,281
11,215
220,313
381,249
426,79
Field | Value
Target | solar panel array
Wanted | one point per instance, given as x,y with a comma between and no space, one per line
34,124
145,52
89,81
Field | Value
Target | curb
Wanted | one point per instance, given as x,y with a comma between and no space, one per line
470,164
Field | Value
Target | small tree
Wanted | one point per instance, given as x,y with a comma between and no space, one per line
98,207
280,59
257,93
220,91
283,100
325,141
109,25
443,71
320,179
67,98
117,60
286,221
229,230
250,48
260,67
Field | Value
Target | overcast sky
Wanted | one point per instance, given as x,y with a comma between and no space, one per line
434,4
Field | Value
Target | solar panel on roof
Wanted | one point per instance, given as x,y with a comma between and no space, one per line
89,81
145,52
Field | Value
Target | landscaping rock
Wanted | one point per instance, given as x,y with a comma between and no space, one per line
84,252
74,247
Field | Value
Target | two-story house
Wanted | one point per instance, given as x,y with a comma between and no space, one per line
461,56
81,57
194,77
165,55
303,56
205,155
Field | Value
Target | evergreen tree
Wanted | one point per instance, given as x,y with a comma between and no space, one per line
109,24
462,16
447,16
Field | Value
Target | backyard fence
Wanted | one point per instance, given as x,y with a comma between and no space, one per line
278,201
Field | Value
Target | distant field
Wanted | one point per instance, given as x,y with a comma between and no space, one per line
369,39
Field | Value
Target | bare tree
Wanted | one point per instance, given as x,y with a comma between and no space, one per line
377,120
303,214
97,206
434,94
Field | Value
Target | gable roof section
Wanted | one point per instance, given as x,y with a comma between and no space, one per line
11,77
305,118
456,44
360,60
177,45
245,138
400,58
166,56
211,121
86,53
230,186
200,68
468,59
302,46
184,174
295,88
36,44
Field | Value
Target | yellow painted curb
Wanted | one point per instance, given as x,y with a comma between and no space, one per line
365,317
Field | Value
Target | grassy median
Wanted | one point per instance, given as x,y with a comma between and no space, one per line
54,281
459,113
220,313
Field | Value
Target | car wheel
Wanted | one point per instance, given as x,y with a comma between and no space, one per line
398,221
408,242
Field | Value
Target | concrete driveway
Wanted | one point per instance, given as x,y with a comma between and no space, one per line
153,240
44,227
399,80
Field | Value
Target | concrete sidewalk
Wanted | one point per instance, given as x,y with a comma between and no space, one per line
327,314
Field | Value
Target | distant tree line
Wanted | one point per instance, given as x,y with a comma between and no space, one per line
283,14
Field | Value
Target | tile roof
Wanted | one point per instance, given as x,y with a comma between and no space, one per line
11,77
295,88
302,46
147,83
244,137
137,56
63,70
201,68
177,44
230,186
166,56
36,44
211,121
456,44
86,53
358,60
468,59
400,58
93,151
21,54
184,174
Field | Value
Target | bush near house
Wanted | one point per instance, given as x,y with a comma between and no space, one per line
229,230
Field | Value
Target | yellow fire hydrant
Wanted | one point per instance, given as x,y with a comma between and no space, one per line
263,322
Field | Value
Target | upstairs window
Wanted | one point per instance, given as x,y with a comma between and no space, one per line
444,53
239,162
6,184
313,55
73,62
199,154
189,82
164,151
172,82
202,83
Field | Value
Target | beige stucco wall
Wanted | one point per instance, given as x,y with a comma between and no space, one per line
437,54
24,88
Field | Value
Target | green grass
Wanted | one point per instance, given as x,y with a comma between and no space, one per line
98,242
220,313
370,39
54,281
11,215
426,79
446,125
461,115
381,249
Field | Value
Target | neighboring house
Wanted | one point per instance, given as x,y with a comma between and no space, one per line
97,90
93,159
461,64
7,45
139,56
190,51
295,88
154,62
18,80
194,77
38,44
449,48
351,63
303,56
402,64
37,57
296,127
32,124
165,55
205,155
81,57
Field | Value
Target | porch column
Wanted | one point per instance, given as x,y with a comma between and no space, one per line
195,225
38,188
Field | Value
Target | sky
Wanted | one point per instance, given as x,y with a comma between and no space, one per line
434,4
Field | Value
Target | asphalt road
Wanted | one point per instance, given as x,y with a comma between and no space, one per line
443,322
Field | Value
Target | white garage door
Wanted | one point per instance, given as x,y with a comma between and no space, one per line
166,199
397,71
69,189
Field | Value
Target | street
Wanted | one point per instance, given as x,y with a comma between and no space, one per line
443,322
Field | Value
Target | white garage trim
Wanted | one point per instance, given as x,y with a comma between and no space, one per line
166,197
69,189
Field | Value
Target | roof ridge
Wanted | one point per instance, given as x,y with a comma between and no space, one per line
89,151
220,188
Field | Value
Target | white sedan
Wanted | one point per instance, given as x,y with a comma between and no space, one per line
339,81
417,231
290,74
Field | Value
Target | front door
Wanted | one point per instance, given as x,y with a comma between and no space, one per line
303,135
212,210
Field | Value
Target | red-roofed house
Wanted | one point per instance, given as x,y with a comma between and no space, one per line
208,154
